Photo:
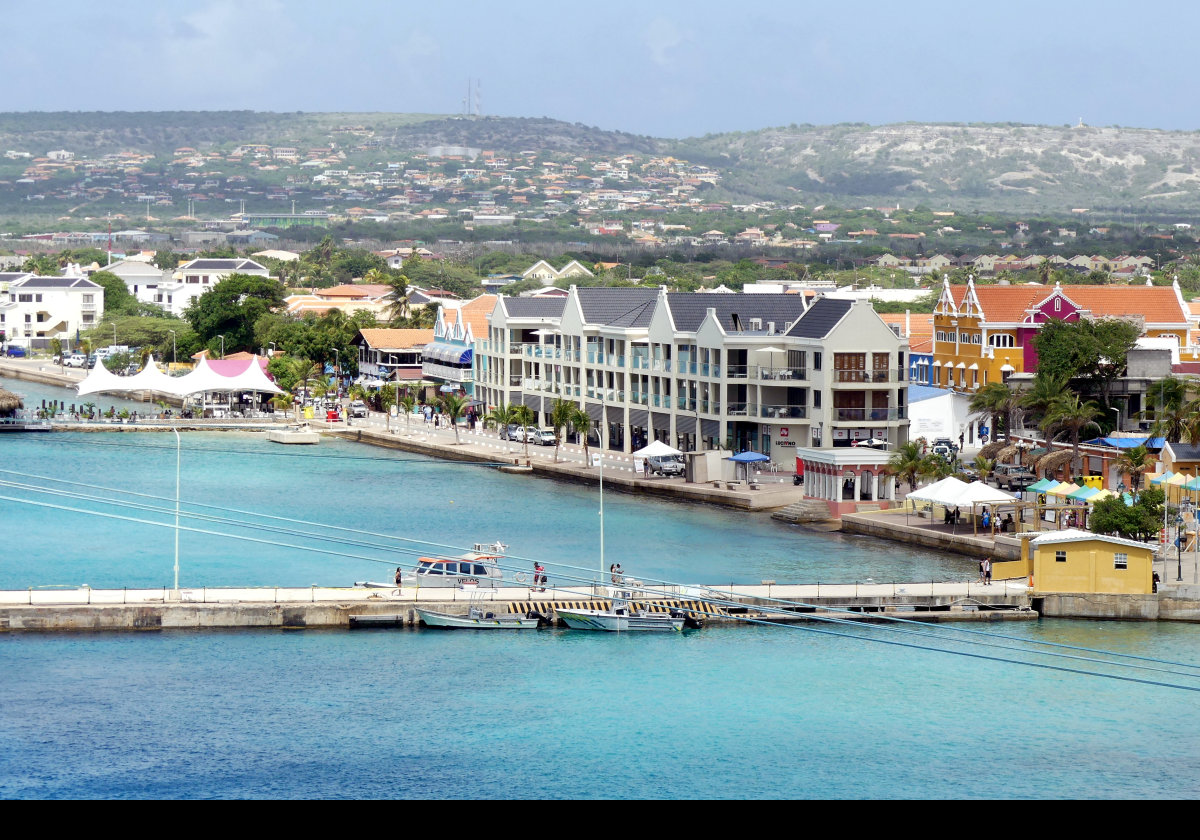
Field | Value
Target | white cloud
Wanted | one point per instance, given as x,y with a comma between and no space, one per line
661,37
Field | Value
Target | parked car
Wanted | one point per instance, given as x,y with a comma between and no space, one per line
523,434
944,447
1012,477
543,437
15,352
76,360
509,432
358,408
666,464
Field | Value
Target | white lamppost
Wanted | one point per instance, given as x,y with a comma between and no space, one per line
172,332
178,452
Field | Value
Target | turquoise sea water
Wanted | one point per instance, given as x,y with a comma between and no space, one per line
723,712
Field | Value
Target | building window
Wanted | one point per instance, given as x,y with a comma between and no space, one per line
816,361
1120,560
1060,557
1000,340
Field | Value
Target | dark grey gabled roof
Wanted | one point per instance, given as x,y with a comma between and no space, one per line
688,310
618,307
534,307
223,265
9,276
821,318
57,283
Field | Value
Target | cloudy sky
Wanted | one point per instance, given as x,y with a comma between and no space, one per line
662,67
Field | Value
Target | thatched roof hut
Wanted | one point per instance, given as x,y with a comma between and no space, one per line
989,450
1006,455
9,403
1051,461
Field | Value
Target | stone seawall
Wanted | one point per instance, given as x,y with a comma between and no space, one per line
891,526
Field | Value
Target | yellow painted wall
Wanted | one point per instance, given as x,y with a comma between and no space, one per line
1089,568
1010,569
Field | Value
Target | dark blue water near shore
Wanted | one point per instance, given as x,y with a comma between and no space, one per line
752,712
738,713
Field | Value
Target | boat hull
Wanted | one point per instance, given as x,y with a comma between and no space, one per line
449,621
612,623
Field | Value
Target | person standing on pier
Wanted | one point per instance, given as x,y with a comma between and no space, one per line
987,570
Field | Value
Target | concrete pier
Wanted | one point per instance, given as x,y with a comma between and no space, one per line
86,609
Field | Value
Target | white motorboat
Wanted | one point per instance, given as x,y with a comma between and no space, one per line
294,435
622,617
477,618
479,567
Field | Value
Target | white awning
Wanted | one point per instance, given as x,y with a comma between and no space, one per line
961,365
973,367
1007,369
937,363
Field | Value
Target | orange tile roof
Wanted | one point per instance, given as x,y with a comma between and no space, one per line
353,290
920,324
1003,304
397,338
474,312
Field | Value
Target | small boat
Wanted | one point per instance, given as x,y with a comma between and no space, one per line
479,567
622,617
478,618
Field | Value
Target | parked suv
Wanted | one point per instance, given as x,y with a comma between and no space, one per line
358,408
944,446
1013,477
666,464
75,360
543,437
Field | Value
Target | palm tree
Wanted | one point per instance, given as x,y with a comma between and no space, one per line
907,463
581,424
983,466
397,297
500,416
560,420
407,403
454,406
1168,393
1136,461
1046,389
524,415
1070,414
998,401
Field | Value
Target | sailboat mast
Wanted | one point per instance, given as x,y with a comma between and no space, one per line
603,422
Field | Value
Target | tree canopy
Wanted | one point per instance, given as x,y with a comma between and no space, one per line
1095,350
231,308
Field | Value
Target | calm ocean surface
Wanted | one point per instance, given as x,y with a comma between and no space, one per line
724,712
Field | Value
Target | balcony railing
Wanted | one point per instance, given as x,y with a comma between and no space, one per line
869,415
515,381
448,373
737,371
789,411
785,373
868,376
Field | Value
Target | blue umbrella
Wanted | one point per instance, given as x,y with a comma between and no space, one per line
748,458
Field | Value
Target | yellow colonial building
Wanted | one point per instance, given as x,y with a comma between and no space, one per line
983,333
1080,561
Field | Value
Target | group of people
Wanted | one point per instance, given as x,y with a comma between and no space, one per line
616,573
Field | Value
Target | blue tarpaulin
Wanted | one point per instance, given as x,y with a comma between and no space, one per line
1128,443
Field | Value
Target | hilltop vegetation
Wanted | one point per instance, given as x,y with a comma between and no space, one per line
999,167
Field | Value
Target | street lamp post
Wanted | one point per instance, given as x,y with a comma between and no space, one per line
172,332
1118,412
222,345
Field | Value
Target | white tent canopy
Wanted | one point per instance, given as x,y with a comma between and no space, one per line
978,493
253,379
944,492
151,378
101,380
656,449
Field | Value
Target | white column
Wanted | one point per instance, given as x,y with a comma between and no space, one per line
874,486
857,486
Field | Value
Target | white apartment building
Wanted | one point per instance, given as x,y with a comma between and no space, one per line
141,278
194,278
772,373
34,310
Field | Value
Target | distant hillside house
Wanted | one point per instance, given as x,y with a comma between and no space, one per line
548,275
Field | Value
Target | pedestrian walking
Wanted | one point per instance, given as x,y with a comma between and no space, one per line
987,570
